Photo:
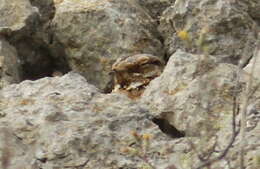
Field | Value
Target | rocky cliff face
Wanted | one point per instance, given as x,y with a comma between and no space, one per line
128,84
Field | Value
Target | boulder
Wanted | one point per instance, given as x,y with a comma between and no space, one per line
26,28
218,27
195,94
192,88
65,122
253,10
15,15
96,33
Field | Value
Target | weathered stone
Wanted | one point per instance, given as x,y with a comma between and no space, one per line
134,73
156,7
184,114
195,95
254,8
65,122
219,27
26,28
256,70
193,85
15,15
10,66
95,33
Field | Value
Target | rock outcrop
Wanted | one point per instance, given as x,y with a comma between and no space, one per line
27,29
223,26
65,122
196,95
120,84
99,32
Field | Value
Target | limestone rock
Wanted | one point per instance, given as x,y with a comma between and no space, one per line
195,95
134,73
256,70
26,28
156,7
15,15
190,86
254,7
219,27
65,122
95,33
10,67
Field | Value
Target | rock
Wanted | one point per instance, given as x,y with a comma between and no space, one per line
26,28
221,28
65,122
134,73
9,64
195,95
254,7
190,86
46,9
99,32
15,15
175,118
256,70
156,7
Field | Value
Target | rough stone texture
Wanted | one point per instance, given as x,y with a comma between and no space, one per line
134,73
15,14
156,7
254,8
194,94
63,122
10,67
256,70
26,28
99,32
222,27
46,9
189,88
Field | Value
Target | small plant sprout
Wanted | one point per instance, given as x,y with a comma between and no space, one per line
185,37
140,148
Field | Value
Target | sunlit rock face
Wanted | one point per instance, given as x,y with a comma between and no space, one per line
174,91
225,27
99,32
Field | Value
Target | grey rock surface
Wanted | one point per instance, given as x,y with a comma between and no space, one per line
254,7
65,122
190,87
195,95
10,67
222,27
102,31
181,114
25,24
15,14
255,65
156,7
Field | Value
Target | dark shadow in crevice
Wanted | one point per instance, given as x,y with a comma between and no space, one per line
38,60
167,128
46,9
